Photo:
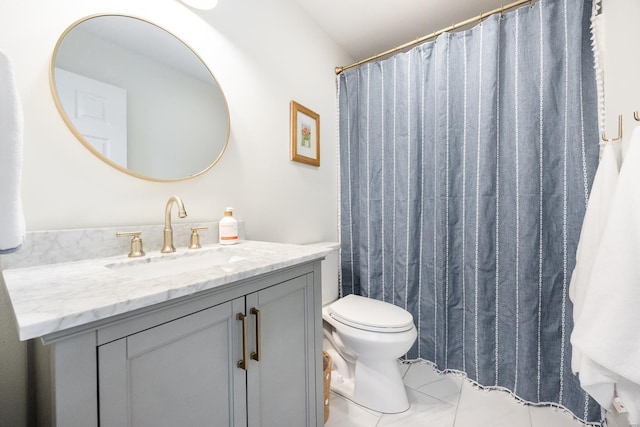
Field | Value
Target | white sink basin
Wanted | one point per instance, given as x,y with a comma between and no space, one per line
180,263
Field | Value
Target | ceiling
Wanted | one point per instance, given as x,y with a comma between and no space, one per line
368,27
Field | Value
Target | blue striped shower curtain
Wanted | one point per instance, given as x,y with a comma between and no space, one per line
465,168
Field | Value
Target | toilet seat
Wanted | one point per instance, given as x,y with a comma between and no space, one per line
370,314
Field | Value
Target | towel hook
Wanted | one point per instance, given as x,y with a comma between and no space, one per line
619,137
636,116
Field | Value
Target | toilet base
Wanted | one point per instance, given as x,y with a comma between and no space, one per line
377,385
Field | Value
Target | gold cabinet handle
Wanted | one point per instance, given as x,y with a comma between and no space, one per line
256,355
244,362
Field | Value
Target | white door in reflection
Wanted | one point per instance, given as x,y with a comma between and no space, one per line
98,111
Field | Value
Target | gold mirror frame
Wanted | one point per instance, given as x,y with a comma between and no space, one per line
83,140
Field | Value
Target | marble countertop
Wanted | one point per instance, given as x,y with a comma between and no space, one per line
55,297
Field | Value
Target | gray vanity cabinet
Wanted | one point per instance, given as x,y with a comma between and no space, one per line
177,364
185,372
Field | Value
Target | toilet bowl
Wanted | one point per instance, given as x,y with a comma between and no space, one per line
367,337
364,337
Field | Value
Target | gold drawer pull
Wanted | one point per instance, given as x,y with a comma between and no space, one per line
244,362
256,355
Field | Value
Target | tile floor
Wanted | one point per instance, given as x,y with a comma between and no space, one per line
448,400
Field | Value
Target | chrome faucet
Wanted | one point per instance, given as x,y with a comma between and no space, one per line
167,246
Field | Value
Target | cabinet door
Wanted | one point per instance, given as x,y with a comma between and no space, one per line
281,386
180,373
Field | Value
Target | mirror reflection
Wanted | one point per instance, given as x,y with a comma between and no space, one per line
139,98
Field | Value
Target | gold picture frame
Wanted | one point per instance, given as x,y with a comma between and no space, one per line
305,135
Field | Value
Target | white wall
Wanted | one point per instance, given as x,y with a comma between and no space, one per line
263,53
621,65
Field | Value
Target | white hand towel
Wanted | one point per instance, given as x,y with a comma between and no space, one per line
12,227
607,330
595,218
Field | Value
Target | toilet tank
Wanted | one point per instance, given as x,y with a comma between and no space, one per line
330,272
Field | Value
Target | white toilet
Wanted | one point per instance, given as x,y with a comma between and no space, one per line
365,337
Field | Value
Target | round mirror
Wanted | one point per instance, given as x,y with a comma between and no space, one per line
139,98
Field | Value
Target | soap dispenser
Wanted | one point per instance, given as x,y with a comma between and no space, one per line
228,228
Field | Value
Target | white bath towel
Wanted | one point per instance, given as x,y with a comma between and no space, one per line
607,330
595,218
12,227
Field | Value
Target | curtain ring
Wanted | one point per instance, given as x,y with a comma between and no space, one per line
481,17
501,11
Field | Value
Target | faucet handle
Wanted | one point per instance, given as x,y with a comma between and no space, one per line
136,243
194,240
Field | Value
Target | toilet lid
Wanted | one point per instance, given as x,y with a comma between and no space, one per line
370,314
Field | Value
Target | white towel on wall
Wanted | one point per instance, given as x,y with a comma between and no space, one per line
593,378
595,218
12,227
607,330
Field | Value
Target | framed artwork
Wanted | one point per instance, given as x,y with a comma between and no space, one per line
305,135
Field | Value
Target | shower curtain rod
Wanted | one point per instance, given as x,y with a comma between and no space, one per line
435,34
